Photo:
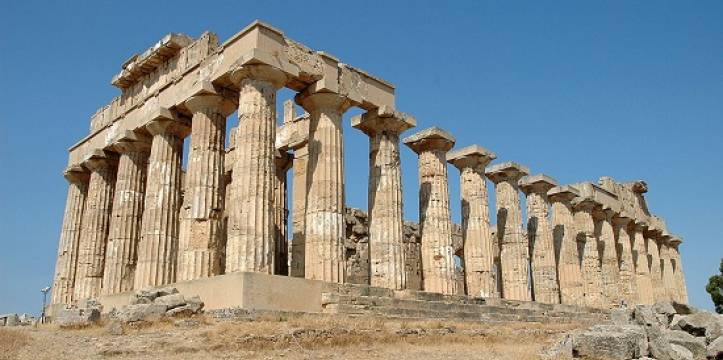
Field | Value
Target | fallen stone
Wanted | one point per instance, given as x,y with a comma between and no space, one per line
701,324
147,296
141,312
680,353
171,301
621,317
613,342
77,317
658,345
694,344
644,315
715,349
665,308
683,309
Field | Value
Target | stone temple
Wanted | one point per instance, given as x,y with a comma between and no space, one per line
134,218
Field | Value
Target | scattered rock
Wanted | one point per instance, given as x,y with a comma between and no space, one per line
715,349
680,353
690,342
701,323
171,301
141,312
610,342
77,317
683,309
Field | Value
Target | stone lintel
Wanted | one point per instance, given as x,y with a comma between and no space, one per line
506,171
139,65
429,139
293,134
563,193
383,119
131,141
537,183
473,155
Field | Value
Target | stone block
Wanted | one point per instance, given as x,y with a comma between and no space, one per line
141,312
696,345
76,317
613,342
170,301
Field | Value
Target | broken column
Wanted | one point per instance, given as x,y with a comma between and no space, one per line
324,223
590,266
125,223
64,279
386,234
95,224
201,216
514,249
438,268
640,257
477,238
608,256
544,267
565,239
250,245
282,162
158,246
628,283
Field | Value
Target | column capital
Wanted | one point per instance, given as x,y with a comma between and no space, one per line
621,219
203,101
506,171
539,183
323,101
276,77
603,213
383,119
430,139
283,160
76,174
675,240
470,156
640,225
98,159
563,194
175,126
586,204
130,141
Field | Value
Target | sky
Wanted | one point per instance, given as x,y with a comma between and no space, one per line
575,90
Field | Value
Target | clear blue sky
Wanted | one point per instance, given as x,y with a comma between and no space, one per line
577,90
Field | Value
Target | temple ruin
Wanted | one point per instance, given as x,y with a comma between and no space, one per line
134,218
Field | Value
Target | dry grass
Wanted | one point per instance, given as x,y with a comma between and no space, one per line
12,341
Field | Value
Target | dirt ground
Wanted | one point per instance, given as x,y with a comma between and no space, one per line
296,337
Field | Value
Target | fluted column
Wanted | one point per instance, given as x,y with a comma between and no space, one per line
642,270
564,237
544,267
514,248
324,223
386,223
480,279
64,279
608,257
282,162
678,275
158,246
438,270
656,275
250,245
95,224
298,214
591,269
667,267
202,224
125,223
628,284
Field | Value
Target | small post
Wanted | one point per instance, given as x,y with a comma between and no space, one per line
45,298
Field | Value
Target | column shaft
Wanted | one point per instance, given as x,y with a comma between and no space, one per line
65,267
628,284
609,260
544,271
656,275
642,270
591,269
667,273
158,247
564,236
681,288
281,215
478,242
514,249
125,223
94,229
299,191
201,232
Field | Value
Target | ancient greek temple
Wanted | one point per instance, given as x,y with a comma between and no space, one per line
136,218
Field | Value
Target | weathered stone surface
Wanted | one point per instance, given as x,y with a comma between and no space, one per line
438,270
564,237
610,342
141,312
512,239
608,257
480,275
282,162
170,301
695,345
702,323
77,317
590,266
628,284
386,249
642,270
715,349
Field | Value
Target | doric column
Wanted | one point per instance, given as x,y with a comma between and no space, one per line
95,224
202,224
438,270
479,251
667,267
298,213
64,279
591,270
642,269
678,275
628,283
125,222
386,224
158,247
514,249
250,245
564,237
282,161
656,276
324,223
542,249
608,256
